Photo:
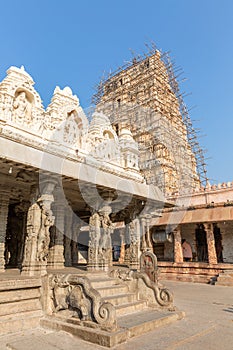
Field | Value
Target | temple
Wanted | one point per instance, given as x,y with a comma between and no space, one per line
144,96
93,207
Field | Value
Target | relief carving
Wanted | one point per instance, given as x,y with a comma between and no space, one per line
39,221
75,294
22,109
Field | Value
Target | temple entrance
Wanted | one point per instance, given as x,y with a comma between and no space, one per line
15,236
201,244
218,243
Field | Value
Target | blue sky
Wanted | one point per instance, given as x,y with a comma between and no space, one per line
73,42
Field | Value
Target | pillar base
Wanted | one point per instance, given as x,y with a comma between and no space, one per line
99,261
36,269
56,258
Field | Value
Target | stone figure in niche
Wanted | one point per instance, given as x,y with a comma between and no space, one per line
39,221
47,220
33,228
94,224
107,229
72,130
21,109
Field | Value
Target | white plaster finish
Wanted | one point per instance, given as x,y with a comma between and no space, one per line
208,195
62,129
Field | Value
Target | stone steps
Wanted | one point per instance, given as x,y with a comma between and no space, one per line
225,279
130,308
112,291
20,306
133,315
103,282
129,326
121,299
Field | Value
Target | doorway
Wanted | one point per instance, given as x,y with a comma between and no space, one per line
218,243
201,244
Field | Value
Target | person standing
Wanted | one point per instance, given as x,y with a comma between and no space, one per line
187,250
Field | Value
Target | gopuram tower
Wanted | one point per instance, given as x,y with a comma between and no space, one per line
144,97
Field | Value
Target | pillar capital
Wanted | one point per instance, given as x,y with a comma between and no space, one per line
208,226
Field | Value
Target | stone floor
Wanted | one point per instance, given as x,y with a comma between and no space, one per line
208,325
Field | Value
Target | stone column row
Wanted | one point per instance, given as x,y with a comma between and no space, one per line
178,252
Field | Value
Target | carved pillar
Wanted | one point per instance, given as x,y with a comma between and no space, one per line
4,206
100,242
143,235
39,221
24,207
212,257
134,232
56,252
74,243
94,241
148,237
178,251
68,236
122,254
127,244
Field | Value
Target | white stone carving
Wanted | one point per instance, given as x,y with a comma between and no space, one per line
63,127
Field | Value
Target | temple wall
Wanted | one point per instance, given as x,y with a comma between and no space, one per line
227,241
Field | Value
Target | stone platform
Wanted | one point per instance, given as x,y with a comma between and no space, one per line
20,306
135,314
197,272
23,300
208,325
129,326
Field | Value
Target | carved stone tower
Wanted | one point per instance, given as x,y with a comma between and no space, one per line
140,98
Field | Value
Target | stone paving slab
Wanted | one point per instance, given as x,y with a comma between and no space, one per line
208,325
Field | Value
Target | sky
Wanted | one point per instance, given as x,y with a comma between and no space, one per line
72,43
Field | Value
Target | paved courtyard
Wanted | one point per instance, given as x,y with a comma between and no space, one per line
208,325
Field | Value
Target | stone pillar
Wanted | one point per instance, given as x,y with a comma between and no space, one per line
4,207
122,253
100,243
134,232
212,257
94,241
68,236
25,206
148,237
56,252
39,221
74,243
143,235
178,251
127,244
